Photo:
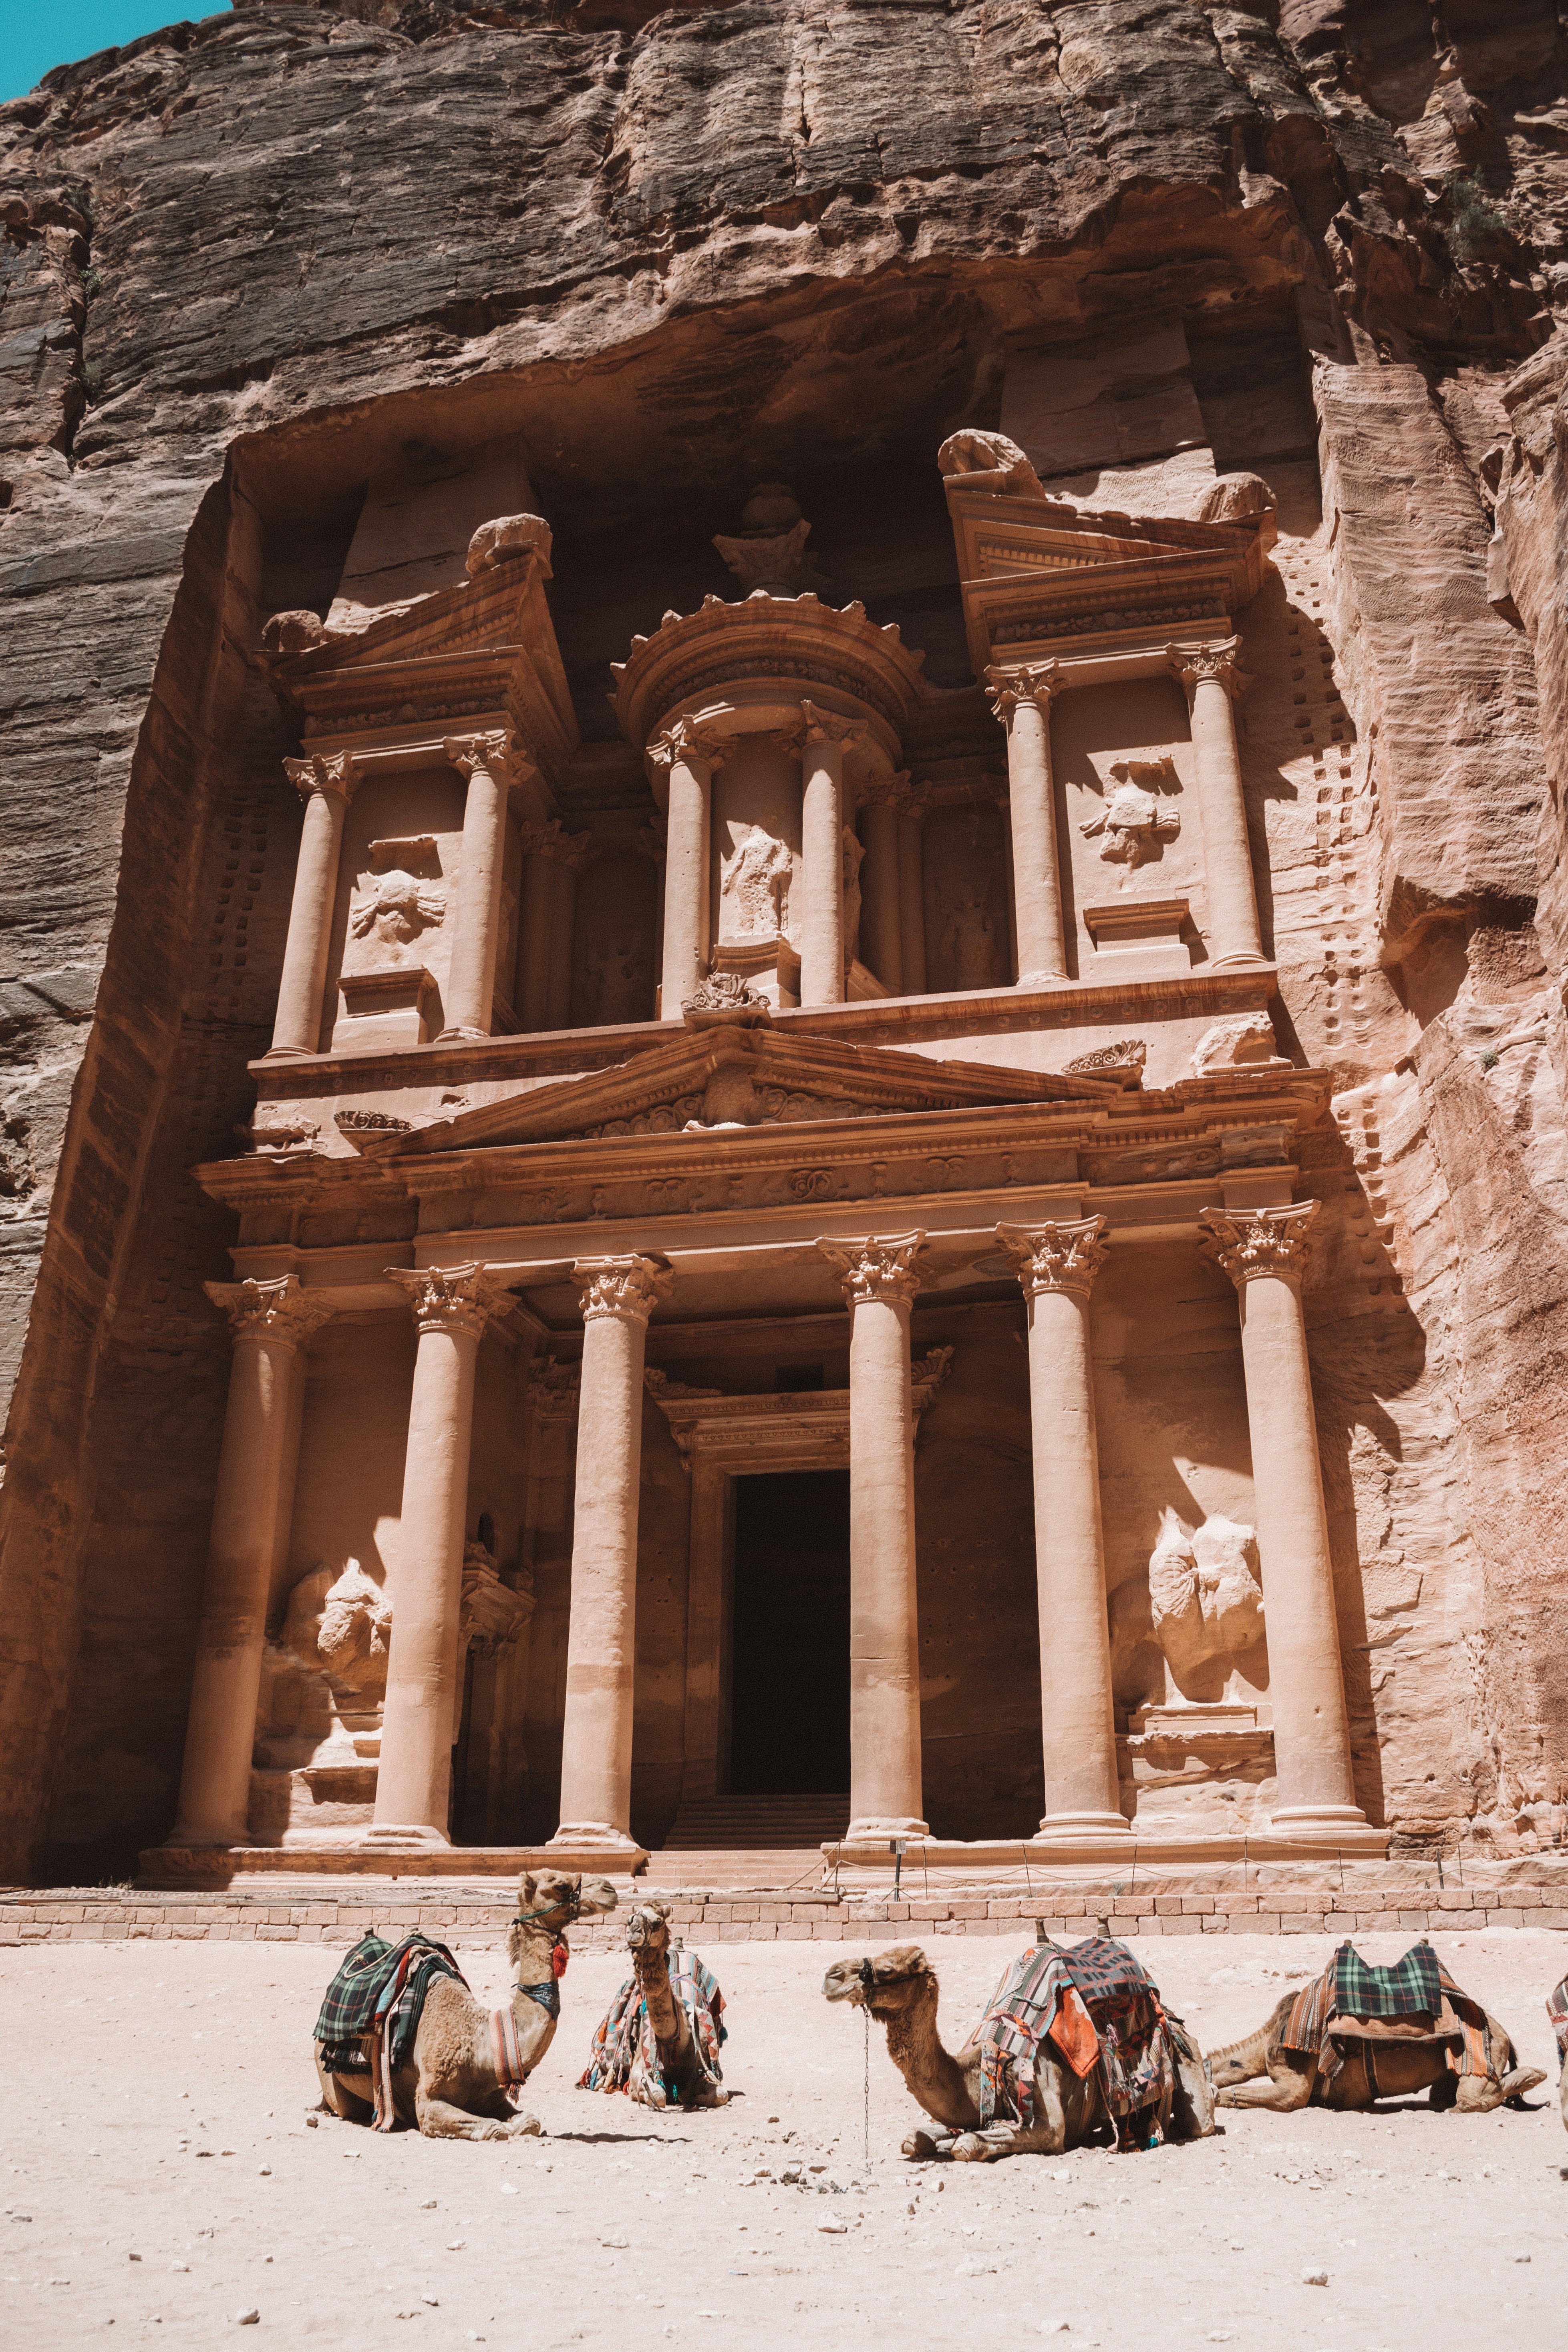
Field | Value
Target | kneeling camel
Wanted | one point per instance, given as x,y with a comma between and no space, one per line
456,2082
1371,2070
900,1989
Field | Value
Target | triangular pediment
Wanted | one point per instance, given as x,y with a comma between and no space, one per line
713,1077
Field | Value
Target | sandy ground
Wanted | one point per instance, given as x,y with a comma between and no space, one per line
181,2184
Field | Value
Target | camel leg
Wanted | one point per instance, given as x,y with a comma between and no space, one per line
1521,2079
1282,2095
921,2145
1477,2096
439,2119
337,2099
998,2140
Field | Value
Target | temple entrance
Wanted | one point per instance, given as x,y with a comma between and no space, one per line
789,1694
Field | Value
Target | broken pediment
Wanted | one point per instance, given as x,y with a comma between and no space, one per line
734,1075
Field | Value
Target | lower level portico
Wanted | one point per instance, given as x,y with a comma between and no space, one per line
1068,1540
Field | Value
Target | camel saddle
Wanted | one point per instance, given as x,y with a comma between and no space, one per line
1416,2000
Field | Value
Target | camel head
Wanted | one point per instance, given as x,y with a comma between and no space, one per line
648,1928
895,1980
548,1904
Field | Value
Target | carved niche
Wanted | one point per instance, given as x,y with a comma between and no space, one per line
1205,1601
967,944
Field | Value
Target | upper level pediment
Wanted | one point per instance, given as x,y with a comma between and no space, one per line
737,1075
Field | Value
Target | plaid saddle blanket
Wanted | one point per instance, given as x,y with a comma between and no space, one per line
1416,1999
372,2007
625,2055
1557,2010
1099,2007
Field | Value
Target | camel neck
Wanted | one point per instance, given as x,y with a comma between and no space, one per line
933,2073
651,1970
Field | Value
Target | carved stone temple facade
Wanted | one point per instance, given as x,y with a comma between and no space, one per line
781,1293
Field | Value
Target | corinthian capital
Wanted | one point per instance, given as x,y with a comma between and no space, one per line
498,752
334,772
890,1267
830,726
1028,683
885,791
691,742
629,1288
1192,664
551,840
451,1297
281,1309
1252,1242
1055,1256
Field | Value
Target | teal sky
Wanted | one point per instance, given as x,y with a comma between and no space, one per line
38,33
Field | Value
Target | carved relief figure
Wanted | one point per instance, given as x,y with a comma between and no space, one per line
756,884
340,1625
1139,818
618,979
1205,1595
401,897
970,940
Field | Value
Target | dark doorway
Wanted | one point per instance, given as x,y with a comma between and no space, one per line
790,1640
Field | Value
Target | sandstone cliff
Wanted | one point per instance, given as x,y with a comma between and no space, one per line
246,260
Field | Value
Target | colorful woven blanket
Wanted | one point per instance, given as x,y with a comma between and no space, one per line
1349,1994
372,2007
1557,2010
625,2055
1101,2008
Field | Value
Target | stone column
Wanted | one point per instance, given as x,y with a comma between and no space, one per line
881,945
912,806
533,960
328,786
488,761
273,1323
686,874
1021,701
618,1295
451,1305
1056,1265
822,958
880,1275
1213,681
1264,1252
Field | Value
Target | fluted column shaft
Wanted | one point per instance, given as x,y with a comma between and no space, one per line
1264,1252
272,1324
413,1792
1021,701
618,1295
882,946
328,787
686,875
476,934
1212,680
822,859
1056,1264
880,1277
911,892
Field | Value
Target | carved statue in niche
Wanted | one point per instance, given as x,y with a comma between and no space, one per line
1205,1597
756,884
617,979
770,552
853,856
339,1623
399,900
1139,818
970,941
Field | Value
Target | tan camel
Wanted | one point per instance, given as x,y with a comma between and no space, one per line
450,2084
1382,2069
899,1988
647,2045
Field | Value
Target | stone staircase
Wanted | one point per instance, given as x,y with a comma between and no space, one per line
756,1824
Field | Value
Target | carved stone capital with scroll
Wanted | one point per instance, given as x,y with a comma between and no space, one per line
890,1267
280,1309
627,1288
335,773
1055,1256
460,1298
1030,683
1191,664
1250,1243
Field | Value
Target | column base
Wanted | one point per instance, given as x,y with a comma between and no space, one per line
1243,959
188,1839
288,1053
403,1837
1306,1821
870,1828
1086,1825
1038,980
463,1037
595,1844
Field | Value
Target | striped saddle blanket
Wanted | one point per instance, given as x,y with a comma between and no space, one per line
1415,2000
1557,2010
1101,2008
